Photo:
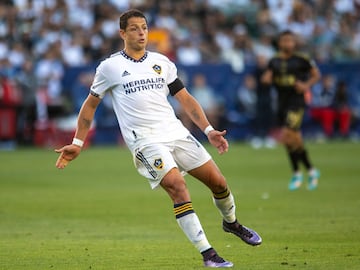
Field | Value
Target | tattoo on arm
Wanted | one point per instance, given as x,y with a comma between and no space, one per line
86,122
195,114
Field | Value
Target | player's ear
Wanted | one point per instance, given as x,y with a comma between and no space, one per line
122,33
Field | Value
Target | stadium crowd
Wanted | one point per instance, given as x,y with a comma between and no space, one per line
40,39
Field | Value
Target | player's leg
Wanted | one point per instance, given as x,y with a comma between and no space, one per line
288,121
211,176
304,158
297,152
174,184
157,164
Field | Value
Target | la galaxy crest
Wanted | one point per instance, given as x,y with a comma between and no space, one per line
157,69
159,164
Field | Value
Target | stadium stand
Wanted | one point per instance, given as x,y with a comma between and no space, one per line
63,40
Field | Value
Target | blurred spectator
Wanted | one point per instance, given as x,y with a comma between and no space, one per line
263,47
342,108
234,52
264,111
205,95
321,103
80,90
188,54
330,105
301,21
27,84
247,98
280,11
49,71
73,53
10,99
66,33
38,24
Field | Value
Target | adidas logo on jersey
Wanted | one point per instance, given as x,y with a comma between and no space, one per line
125,73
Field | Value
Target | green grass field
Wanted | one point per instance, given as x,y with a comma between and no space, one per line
100,214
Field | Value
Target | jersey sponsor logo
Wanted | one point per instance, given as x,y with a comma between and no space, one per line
285,80
144,84
125,73
157,69
159,164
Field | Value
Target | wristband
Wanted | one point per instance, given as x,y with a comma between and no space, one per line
78,142
208,129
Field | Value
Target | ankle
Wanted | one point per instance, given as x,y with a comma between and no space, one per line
231,223
209,253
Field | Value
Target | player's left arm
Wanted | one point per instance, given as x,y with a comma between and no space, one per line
197,115
314,77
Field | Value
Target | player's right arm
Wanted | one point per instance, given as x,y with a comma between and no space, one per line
85,118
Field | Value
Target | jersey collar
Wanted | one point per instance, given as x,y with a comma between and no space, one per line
142,59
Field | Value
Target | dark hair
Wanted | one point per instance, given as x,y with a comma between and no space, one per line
123,22
286,33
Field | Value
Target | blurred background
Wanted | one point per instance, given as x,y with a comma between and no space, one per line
49,50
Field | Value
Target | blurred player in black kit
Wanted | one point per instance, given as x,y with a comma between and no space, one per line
293,74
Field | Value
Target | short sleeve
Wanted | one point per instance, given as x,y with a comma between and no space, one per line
309,63
312,63
100,84
172,74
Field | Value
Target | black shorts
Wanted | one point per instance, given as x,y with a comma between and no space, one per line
291,117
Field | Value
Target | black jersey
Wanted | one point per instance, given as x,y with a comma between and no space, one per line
285,73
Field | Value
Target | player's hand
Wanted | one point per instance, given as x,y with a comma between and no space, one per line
301,87
216,138
67,154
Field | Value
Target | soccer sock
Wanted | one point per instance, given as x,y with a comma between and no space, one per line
208,254
224,201
190,224
304,157
294,159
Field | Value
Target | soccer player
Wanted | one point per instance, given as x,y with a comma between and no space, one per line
139,82
293,74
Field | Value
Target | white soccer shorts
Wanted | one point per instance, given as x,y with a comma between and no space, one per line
154,161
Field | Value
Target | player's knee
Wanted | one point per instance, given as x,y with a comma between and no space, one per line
176,188
218,183
290,139
180,188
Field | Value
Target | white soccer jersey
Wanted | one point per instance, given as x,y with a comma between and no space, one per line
139,90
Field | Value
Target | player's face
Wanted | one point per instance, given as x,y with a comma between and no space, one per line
287,43
136,34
